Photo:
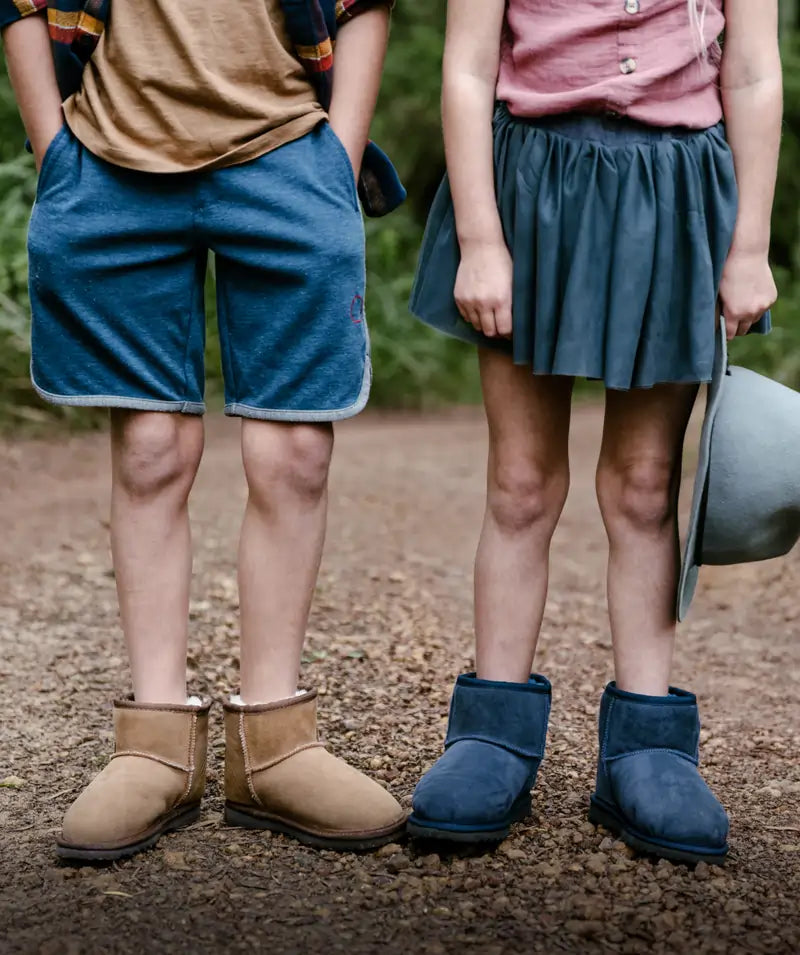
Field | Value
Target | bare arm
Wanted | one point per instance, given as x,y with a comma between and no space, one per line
471,64
752,101
33,77
360,51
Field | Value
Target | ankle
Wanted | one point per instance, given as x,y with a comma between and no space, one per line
161,693
644,686
503,673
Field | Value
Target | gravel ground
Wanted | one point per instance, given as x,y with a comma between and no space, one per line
390,630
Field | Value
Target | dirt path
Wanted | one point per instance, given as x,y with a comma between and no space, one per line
391,628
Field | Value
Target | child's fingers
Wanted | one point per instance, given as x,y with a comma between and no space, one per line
471,315
488,325
503,320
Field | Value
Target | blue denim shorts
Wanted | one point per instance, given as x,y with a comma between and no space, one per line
118,263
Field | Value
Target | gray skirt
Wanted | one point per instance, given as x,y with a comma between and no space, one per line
618,232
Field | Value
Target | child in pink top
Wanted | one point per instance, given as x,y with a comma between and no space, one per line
635,58
596,219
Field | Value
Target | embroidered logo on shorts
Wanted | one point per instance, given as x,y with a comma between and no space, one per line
357,310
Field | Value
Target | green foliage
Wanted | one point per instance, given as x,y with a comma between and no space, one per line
413,366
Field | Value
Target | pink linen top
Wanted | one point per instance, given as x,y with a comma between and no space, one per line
636,58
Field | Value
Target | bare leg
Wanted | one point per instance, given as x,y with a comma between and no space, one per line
528,478
154,457
280,550
637,486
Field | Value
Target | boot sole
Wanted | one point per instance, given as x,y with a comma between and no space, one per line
177,820
601,814
245,819
445,832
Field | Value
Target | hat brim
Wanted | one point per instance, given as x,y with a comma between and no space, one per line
691,552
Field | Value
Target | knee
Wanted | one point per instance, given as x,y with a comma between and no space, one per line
639,495
283,461
155,452
523,495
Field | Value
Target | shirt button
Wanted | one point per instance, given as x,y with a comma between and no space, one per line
632,6
628,65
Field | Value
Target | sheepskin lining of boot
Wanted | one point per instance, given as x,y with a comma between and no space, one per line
236,699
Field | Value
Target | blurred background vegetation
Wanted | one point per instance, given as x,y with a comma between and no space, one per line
414,367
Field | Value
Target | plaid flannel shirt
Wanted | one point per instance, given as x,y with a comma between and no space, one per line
77,25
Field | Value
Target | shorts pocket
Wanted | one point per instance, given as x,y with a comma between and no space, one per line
50,159
344,163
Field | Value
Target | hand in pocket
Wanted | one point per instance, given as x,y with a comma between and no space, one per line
44,140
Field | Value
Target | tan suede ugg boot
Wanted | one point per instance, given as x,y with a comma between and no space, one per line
152,784
278,776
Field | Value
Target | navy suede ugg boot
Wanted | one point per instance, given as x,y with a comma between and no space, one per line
649,790
495,743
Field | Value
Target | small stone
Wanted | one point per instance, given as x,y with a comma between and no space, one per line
701,871
623,849
607,844
596,863
390,850
499,903
513,853
584,928
735,907
177,860
397,863
666,922
594,911
664,870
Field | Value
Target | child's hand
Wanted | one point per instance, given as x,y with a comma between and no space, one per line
353,143
483,287
746,291
44,134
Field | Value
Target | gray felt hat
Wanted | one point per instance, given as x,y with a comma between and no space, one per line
746,504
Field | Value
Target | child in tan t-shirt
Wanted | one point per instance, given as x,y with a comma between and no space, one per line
195,130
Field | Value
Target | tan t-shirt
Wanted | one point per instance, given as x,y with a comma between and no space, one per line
175,86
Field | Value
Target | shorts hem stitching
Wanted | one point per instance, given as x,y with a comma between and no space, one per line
240,410
120,401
